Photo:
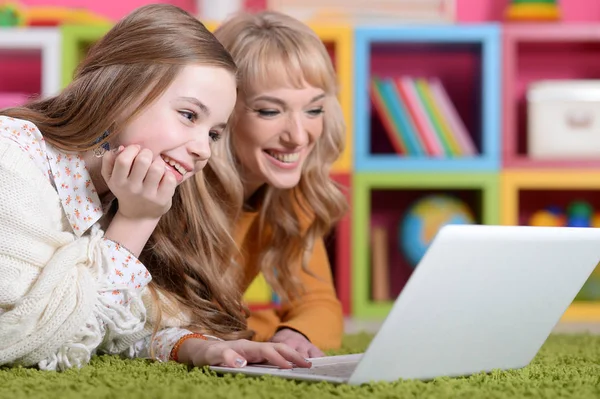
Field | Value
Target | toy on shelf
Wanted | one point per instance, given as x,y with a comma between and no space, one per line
533,10
424,219
578,214
13,15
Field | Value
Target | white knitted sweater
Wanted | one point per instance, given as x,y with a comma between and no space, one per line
50,312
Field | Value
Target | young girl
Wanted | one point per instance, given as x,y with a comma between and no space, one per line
285,133
87,175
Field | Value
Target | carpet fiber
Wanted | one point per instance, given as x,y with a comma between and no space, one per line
567,366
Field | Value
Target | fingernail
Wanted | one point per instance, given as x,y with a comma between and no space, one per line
240,362
118,150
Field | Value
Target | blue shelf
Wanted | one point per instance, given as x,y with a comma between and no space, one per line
488,38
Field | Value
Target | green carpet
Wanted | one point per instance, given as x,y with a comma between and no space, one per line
568,366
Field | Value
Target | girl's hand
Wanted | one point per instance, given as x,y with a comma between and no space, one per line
139,182
238,353
297,341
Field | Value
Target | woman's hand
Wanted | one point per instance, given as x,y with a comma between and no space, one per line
297,341
139,182
238,353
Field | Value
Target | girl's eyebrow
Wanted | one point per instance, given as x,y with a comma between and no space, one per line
203,108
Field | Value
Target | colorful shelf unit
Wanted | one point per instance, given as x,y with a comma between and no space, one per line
466,59
382,198
535,52
31,63
524,192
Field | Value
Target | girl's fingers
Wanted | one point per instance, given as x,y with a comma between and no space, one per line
108,162
123,164
231,358
166,187
141,164
292,355
155,173
273,356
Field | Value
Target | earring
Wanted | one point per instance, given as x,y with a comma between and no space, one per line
101,149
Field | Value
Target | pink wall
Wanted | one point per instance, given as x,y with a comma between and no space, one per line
468,10
112,9
493,10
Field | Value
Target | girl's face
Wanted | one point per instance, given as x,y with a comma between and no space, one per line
181,124
275,132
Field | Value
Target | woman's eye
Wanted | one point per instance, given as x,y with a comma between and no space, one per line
267,112
214,136
316,111
189,115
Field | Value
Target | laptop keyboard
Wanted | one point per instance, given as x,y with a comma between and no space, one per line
341,370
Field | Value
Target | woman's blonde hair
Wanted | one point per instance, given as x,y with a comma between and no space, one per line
128,69
274,50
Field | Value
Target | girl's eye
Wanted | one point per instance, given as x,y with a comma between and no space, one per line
316,111
267,112
189,115
214,136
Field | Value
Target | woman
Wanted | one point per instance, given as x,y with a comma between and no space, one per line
285,133
87,175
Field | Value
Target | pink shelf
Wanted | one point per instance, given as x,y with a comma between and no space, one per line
542,51
21,71
12,99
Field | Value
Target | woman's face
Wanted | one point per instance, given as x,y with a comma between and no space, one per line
180,125
275,132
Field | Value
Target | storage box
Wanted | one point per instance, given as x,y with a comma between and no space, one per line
368,12
563,119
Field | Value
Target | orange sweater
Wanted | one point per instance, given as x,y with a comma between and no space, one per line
317,313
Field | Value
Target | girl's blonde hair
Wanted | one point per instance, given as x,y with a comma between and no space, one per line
129,68
274,50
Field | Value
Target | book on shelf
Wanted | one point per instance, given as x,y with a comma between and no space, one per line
379,264
419,118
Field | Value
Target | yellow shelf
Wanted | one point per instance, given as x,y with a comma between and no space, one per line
511,182
341,37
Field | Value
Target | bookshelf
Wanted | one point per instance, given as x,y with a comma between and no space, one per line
31,64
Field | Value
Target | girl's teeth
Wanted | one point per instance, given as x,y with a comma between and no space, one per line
175,165
286,158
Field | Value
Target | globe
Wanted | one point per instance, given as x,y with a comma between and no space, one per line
424,218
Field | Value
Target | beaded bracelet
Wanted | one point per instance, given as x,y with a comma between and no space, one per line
175,351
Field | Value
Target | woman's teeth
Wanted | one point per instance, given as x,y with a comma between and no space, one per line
175,165
285,158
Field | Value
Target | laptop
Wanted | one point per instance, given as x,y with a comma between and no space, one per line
481,298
